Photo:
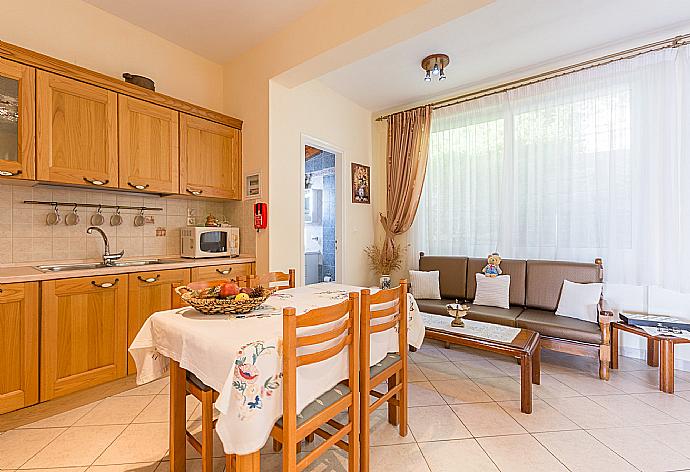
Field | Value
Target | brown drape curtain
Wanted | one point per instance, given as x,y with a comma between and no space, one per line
407,152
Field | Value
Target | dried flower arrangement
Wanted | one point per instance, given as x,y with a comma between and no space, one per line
382,260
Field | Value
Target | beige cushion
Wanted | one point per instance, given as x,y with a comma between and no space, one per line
424,285
513,267
492,291
580,301
547,323
436,307
491,314
453,274
545,279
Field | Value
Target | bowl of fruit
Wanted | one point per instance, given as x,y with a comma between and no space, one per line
223,297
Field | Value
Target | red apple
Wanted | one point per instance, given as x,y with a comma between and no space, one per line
246,290
228,290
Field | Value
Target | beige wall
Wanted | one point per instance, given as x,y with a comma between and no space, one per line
82,34
316,111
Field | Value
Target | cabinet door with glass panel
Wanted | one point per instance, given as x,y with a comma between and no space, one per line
17,127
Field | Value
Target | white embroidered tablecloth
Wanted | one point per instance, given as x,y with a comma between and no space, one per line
241,358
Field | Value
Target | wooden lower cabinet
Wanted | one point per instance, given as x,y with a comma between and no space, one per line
83,333
229,271
150,292
18,345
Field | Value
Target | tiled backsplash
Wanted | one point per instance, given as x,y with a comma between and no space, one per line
25,236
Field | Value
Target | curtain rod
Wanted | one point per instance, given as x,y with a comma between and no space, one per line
675,42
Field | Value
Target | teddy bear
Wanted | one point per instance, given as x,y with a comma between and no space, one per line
492,268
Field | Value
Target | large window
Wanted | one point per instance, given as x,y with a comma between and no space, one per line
592,164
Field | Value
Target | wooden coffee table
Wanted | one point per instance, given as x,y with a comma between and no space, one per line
514,342
660,352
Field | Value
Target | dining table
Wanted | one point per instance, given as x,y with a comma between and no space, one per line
240,357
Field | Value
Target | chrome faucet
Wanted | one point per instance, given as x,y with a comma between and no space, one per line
108,259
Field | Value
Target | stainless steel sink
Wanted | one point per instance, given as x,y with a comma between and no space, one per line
100,265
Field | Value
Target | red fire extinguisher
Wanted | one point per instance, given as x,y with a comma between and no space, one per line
260,216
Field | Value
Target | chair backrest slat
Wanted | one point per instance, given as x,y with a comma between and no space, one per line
372,318
319,356
278,278
391,310
324,315
381,327
311,339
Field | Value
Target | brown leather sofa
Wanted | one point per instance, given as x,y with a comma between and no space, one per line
535,288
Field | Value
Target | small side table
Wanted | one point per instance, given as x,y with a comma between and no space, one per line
660,352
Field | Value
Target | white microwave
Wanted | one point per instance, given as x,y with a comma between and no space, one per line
206,241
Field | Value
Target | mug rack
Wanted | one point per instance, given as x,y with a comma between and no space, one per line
92,205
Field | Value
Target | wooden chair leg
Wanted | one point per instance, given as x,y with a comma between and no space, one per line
310,438
277,447
353,452
230,463
393,417
207,431
402,402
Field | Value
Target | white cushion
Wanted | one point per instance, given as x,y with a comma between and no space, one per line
580,301
425,285
492,291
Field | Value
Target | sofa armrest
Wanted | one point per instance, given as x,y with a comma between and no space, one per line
606,314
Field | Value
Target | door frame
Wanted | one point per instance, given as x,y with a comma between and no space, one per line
341,189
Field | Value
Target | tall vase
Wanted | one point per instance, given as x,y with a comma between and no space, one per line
385,282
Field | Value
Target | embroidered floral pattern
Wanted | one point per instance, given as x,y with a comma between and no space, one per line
246,384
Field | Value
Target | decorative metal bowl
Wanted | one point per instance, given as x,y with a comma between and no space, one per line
458,311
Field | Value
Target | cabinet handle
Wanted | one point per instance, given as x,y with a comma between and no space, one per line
224,272
96,181
7,173
105,284
149,280
138,187
196,193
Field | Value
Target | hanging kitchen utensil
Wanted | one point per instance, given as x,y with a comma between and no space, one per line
116,218
97,218
72,219
53,218
139,219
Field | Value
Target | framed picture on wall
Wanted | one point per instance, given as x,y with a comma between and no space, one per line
361,184
252,185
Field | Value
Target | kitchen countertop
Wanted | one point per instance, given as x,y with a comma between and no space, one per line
23,273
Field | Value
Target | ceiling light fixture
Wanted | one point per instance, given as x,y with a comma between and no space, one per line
435,65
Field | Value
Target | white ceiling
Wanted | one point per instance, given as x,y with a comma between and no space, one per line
500,39
215,29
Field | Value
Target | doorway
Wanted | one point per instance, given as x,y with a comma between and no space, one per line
321,187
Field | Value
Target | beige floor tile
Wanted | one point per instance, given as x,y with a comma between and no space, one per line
479,369
460,391
138,467
115,410
500,389
436,423
57,469
462,354
427,354
194,427
62,420
151,388
675,436
382,433
520,453
685,395
629,383
549,387
641,450
78,446
194,465
487,419
652,378
585,413
672,405
587,384
414,374
508,365
632,411
445,456
543,417
629,364
441,371
399,458
137,443
20,445
580,452
423,394
158,410
560,363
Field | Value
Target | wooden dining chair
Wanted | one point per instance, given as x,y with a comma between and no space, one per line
280,280
292,428
383,311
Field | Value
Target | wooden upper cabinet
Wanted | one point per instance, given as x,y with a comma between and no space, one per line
76,132
17,120
150,292
18,346
149,158
83,333
210,159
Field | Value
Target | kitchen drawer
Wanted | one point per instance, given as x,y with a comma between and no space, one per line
227,271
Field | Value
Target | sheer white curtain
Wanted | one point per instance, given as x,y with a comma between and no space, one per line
591,164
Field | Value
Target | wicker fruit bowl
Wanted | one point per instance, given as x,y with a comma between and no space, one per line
209,297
